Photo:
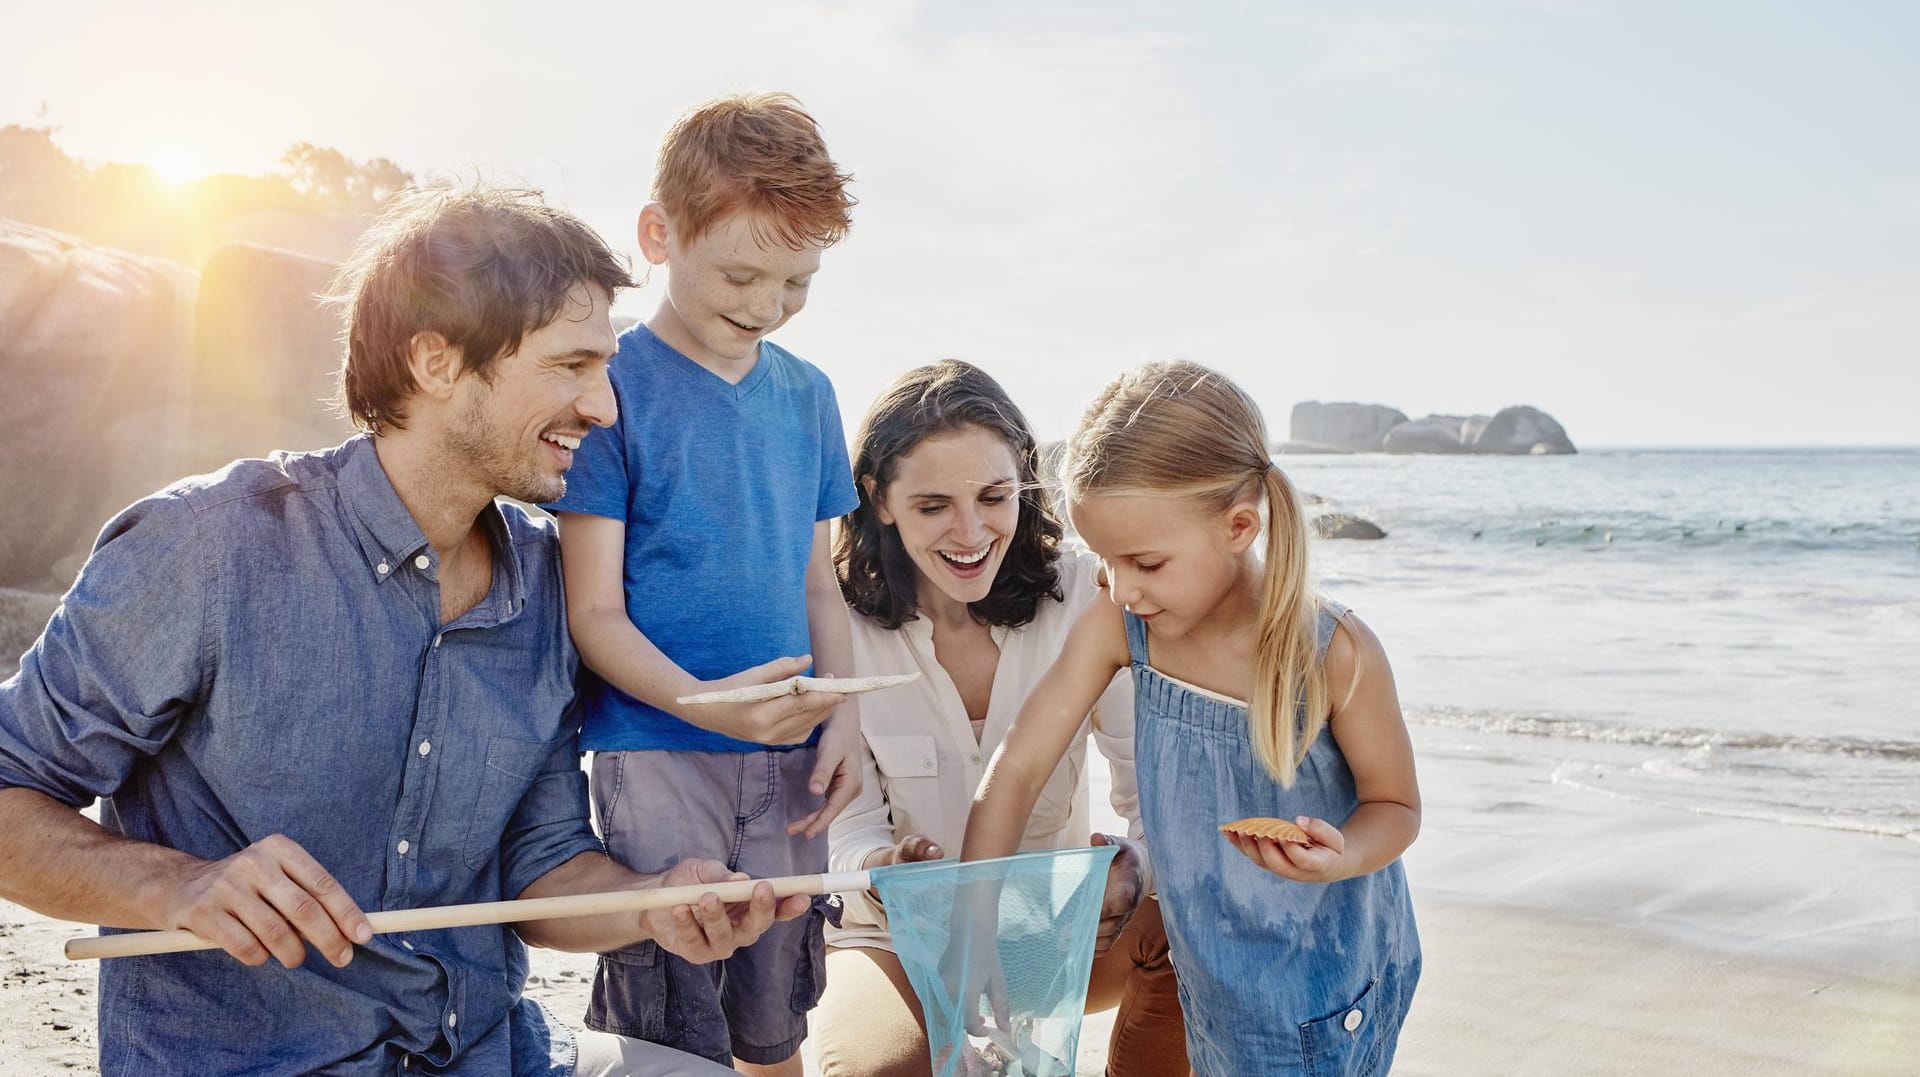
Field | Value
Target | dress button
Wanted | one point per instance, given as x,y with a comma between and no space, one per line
383,568
426,747
421,562
402,847
1353,1020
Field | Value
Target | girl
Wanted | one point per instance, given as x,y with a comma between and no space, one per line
954,567
1254,696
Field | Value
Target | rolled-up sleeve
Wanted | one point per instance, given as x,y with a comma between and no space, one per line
123,659
866,827
550,824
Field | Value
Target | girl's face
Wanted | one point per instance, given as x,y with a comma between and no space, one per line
955,502
1170,561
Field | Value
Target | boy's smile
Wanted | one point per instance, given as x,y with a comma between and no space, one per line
727,289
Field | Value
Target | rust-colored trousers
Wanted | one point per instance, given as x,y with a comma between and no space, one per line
869,1022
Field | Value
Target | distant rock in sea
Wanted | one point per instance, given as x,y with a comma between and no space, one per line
1345,427
1342,525
1341,427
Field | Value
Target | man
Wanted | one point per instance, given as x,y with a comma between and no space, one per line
324,682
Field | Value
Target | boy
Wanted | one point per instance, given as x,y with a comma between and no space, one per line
694,538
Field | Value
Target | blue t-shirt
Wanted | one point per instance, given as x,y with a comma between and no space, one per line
720,486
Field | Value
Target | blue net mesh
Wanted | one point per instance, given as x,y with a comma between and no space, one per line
999,952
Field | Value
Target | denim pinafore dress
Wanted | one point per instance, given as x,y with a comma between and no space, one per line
1276,976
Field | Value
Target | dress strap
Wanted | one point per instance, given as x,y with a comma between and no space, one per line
1136,638
1329,619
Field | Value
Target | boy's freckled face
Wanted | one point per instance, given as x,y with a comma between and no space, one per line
729,289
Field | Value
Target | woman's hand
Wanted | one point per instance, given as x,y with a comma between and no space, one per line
1322,862
1125,888
912,849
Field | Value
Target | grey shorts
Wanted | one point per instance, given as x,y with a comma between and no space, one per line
657,808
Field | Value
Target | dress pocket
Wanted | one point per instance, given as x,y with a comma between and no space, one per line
1351,1041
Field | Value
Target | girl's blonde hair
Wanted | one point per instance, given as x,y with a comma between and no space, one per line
1180,430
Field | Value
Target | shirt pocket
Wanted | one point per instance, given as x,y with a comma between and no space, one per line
510,767
910,774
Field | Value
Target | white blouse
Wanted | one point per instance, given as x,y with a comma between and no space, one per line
922,764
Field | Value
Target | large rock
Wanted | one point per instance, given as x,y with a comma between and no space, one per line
94,349
23,616
1518,431
1432,434
1344,525
1343,426
266,356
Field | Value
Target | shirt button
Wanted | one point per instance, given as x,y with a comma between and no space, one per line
426,747
436,641
1354,1017
383,568
402,847
421,562
452,1019
406,944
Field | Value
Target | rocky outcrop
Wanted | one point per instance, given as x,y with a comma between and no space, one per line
1431,434
123,373
94,349
1520,431
1514,431
1341,426
266,357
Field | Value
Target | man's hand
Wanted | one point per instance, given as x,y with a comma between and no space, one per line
1125,888
711,930
787,719
836,772
269,900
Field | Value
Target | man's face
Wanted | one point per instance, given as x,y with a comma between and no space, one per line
521,429
728,290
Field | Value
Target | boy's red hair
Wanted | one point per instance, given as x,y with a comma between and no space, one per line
755,153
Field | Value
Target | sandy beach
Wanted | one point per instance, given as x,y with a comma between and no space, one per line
1565,933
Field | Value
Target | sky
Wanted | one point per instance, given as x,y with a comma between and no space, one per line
1664,223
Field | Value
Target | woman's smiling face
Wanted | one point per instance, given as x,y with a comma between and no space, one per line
955,502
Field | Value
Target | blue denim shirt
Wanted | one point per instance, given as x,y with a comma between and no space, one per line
259,651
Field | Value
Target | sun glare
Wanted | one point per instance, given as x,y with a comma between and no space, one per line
175,165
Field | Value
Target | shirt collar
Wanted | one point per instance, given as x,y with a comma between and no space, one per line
389,536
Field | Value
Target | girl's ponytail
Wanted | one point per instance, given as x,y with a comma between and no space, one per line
1287,678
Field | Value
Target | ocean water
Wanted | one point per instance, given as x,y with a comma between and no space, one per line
1729,632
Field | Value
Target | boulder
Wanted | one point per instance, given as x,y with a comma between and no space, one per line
1341,525
95,345
266,357
1342,426
1519,431
1432,434
23,616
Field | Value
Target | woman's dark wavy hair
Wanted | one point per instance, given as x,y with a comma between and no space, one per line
877,576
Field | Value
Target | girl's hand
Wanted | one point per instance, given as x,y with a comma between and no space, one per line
1321,862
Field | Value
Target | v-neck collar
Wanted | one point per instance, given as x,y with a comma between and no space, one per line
699,375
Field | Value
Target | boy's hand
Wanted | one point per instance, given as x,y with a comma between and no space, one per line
712,930
785,719
1320,862
836,771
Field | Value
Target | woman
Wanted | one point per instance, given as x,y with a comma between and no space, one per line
953,566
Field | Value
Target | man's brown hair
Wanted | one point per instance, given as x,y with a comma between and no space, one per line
481,267
761,154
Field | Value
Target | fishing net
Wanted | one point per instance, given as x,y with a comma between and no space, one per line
999,952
